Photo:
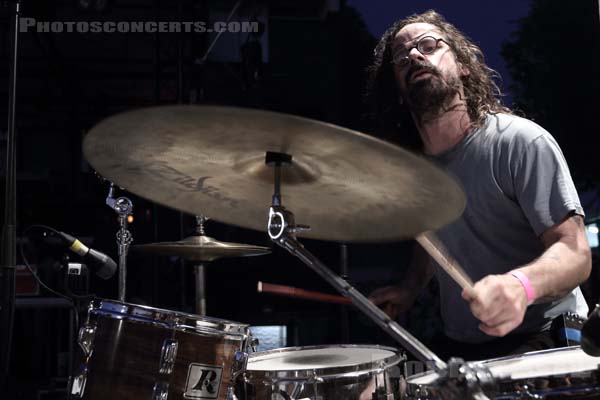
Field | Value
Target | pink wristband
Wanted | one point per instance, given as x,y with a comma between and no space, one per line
529,291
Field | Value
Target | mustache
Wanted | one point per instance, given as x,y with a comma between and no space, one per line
420,66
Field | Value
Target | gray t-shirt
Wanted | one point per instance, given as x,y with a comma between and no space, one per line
517,185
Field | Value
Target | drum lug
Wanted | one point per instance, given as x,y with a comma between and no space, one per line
231,394
167,356
160,391
240,361
77,383
316,379
525,394
420,392
86,338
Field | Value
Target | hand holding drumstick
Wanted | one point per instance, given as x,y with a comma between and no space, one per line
491,299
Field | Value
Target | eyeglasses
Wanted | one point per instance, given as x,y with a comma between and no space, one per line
426,45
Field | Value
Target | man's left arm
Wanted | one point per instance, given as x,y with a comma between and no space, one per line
500,301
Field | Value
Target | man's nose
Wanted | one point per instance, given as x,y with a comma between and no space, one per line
415,54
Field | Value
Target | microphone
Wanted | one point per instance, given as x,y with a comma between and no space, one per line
100,263
590,334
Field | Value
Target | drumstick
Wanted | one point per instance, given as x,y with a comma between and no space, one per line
438,252
300,293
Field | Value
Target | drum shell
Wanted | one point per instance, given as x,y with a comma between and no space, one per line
340,388
334,383
126,355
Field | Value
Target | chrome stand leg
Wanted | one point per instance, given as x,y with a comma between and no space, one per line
200,300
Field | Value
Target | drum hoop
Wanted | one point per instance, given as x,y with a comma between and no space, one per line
327,373
168,319
557,350
490,363
277,377
563,351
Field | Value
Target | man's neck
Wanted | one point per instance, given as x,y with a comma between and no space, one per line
445,131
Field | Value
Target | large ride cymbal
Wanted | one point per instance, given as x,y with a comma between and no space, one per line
202,248
347,186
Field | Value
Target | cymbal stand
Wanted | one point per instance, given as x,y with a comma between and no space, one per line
459,379
282,230
464,380
123,207
199,271
345,331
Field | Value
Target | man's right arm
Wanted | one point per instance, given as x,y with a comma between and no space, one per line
399,298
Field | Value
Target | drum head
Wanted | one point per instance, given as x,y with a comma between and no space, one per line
545,373
568,360
322,361
545,363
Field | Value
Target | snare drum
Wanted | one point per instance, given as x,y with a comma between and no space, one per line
137,352
340,372
549,374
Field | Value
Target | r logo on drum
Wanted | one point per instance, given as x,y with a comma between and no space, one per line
203,381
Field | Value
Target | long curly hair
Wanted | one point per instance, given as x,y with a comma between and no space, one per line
482,94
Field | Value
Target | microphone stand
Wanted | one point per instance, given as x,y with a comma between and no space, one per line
123,207
9,235
345,331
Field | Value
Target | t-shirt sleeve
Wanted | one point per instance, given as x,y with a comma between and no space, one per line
543,184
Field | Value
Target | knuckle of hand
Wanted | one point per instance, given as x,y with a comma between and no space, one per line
491,331
483,308
497,285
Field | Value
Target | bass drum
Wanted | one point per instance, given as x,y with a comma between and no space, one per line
340,372
564,373
138,352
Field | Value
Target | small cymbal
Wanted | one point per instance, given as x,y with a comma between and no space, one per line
345,185
202,248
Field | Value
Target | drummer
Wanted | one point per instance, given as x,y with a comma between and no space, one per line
521,237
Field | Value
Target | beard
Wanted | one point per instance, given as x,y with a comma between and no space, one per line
430,96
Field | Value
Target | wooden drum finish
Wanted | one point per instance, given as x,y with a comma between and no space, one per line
135,352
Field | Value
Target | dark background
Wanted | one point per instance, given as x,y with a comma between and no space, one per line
310,61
